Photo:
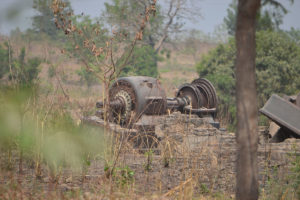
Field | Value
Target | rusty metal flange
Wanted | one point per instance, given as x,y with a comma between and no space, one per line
206,88
124,90
192,93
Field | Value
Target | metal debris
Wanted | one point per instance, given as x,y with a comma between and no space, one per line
286,113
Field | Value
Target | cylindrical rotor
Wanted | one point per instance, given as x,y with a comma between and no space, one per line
131,97
191,93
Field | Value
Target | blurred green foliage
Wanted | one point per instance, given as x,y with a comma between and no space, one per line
277,70
44,134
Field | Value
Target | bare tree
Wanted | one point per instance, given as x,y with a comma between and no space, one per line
175,12
247,127
169,18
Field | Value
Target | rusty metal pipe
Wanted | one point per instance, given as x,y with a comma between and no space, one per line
116,104
178,102
200,110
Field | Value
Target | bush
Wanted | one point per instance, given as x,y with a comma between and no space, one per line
25,73
21,71
143,62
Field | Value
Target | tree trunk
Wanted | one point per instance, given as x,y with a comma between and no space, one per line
247,127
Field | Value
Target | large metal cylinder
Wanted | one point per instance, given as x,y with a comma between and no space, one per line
136,96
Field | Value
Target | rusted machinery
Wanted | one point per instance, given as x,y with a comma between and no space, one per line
136,100
285,112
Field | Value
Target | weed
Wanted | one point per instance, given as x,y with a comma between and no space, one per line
126,175
123,176
204,189
149,159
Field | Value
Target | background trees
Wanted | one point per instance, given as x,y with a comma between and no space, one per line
277,69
